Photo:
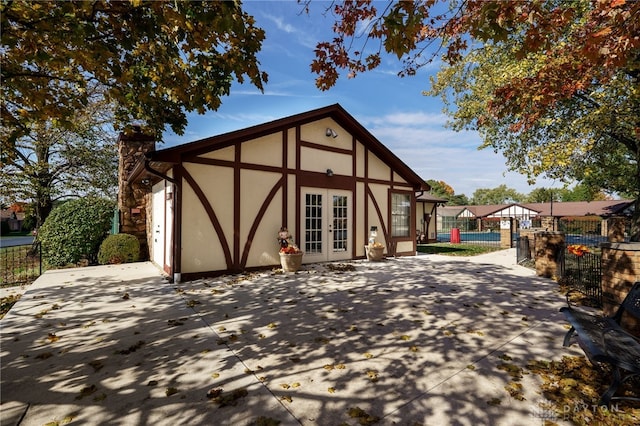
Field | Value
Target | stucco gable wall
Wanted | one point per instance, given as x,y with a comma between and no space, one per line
315,160
398,179
380,199
217,185
316,132
255,187
377,168
225,154
266,150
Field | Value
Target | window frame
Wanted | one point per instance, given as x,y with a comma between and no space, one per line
407,215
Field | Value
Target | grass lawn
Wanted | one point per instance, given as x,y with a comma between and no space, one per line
456,249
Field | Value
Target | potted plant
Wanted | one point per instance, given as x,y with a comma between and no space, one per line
374,251
290,254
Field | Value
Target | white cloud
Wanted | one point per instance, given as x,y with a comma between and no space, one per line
420,139
280,24
412,119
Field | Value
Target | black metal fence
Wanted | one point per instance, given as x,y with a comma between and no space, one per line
524,252
582,272
588,232
485,232
20,264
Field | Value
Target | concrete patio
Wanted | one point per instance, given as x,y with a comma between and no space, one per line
416,340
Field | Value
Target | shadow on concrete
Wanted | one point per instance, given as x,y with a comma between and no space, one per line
421,340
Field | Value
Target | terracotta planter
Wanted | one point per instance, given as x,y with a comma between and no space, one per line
291,262
374,253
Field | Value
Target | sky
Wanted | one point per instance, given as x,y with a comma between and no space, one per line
392,108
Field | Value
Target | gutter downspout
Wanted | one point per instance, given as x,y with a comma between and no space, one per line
417,195
177,276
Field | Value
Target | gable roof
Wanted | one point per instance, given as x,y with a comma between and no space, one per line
450,211
429,197
179,153
501,210
602,208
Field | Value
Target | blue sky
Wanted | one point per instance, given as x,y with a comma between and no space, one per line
393,109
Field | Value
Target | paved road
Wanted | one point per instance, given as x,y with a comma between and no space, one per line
15,241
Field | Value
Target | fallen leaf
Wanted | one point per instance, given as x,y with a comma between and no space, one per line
97,365
363,417
44,355
214,392
86,391
231,399
494,401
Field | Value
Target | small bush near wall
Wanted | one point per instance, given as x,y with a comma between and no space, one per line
119,248
74,230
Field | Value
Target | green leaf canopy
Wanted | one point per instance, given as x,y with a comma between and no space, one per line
156,60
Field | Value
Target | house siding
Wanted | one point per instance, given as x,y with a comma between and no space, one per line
234,195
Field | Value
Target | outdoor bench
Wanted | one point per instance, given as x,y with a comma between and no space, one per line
605,341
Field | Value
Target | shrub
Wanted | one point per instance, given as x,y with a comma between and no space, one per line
75,229
29,223
119,248
4,228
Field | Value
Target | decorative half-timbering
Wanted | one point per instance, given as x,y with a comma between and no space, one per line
218,203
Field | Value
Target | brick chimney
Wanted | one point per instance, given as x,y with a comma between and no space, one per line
134,197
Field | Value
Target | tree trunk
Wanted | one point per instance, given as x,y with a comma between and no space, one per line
44,205
42,182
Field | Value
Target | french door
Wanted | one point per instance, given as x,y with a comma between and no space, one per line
326,224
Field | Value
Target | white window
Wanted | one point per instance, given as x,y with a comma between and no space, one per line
400,215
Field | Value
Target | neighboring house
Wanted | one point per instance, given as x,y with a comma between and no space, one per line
426,215
604,208
217,204
499,211
447,217
525,212
12,218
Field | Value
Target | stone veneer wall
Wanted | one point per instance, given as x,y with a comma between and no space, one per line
547,247
134,197
620,269
531,235
614,228
549,223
